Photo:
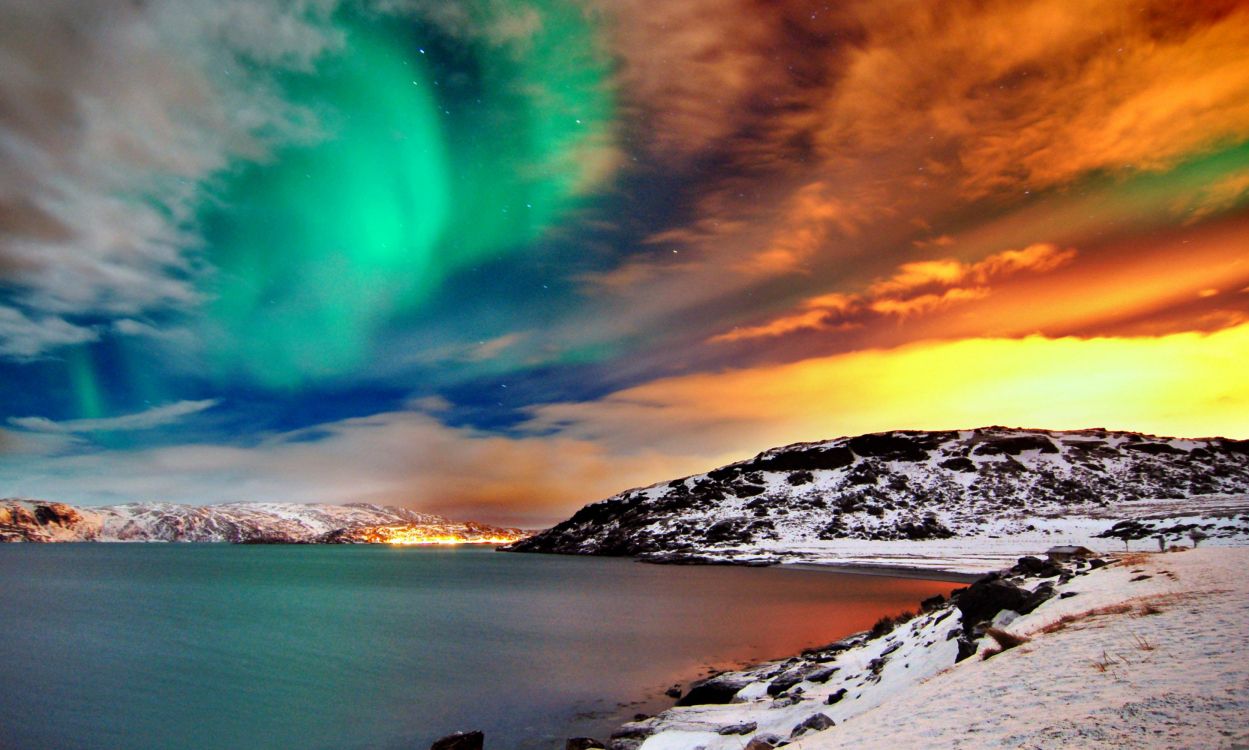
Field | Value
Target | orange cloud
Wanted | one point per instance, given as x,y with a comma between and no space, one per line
908,306
1036,94
811,320
811,220
915,288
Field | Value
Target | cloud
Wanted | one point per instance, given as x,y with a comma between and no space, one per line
814,215
112,119
1036,94
158,416
400,458
895,116
24,337
915,288
571,453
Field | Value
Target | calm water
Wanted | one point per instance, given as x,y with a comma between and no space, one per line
217,646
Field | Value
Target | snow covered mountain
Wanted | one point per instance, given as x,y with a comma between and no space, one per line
991,483
42,521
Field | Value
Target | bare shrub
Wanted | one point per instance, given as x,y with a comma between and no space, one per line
1105,663
1005,638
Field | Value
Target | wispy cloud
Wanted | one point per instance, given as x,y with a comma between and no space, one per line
158,416
113,117
24,336
915,288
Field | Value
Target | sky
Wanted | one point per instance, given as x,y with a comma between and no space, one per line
500,258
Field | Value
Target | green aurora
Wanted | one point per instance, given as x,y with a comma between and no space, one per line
428,166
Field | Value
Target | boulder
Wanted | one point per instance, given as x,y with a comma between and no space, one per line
746,727
583,743
714,690
763,742
459,741
813,723
985,598
673,692
1029,565
802,673
630,736
835,698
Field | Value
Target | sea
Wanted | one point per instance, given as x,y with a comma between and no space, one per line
368,646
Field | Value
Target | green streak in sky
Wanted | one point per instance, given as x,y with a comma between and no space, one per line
83,382
428,166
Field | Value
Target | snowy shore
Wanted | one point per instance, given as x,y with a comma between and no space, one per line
1145,652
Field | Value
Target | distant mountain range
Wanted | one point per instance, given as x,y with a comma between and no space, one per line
990,483
41,521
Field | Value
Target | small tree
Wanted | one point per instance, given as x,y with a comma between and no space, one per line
1197,535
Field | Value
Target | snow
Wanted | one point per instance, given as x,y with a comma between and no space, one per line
227,522
999,492
1137,662
1178,678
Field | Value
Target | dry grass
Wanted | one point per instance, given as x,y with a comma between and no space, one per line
1142,642
1006,640
1062,622
887,623
1134,558
1141,606
1105,663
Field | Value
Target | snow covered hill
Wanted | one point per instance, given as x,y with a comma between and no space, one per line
41,521
897,496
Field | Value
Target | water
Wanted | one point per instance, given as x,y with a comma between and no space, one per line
218,646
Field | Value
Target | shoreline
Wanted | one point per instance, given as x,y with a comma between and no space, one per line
816,699
888,571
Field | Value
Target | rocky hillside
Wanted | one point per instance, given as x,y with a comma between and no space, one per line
41,521
909,486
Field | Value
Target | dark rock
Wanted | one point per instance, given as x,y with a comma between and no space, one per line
459,741
985,598
836,697
716,690
1097,562
1029,565
1013,446
1155,449
746,727
802,673
1043,593
813,723
765,741
965,649
804,459
629,737
1068,594
673,692
890,447
958,464
583,743
1134,579
932,603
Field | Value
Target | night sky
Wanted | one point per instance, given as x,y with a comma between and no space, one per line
499,258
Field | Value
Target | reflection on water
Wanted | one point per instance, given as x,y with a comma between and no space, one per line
216,646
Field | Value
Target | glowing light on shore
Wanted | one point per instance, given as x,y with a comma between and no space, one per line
402,535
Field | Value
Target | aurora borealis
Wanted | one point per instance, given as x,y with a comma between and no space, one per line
496,258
